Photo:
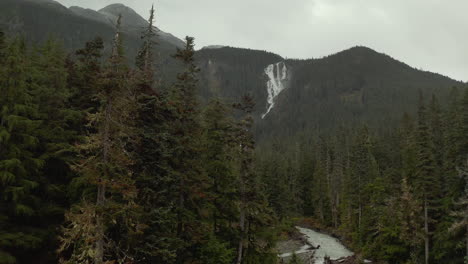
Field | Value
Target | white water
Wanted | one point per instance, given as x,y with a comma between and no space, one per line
277,75
329,246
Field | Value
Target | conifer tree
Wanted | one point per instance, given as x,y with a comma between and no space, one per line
185,161
20,163
145,57
152,151
246,144
320,187
101,230
364,169
254,214
461,214
84,76
409,218
426,180
218,160
2,46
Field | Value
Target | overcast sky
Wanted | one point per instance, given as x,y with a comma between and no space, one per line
427,34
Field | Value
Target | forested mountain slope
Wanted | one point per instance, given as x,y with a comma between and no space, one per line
106,158
352,86
39,20
232,72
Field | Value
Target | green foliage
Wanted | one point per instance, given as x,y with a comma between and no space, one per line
138,172
104,230
214,251
379,182
295,259
36,129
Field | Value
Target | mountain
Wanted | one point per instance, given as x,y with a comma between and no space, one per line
134,23
232,72
353,86
39,20
292,96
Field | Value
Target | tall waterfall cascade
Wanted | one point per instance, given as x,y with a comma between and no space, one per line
278,77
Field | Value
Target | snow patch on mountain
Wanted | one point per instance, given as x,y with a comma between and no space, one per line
277,82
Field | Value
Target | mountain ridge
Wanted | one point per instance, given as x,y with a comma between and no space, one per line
355,85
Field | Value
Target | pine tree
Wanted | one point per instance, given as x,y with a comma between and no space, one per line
436,133
307,183
320,187
462,213
2,46
363,169
20,163
152,152
185,161
101,231
145,57
254,214
218,162
246,145
409,218
426,180
84,76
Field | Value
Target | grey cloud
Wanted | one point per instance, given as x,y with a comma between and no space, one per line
427,34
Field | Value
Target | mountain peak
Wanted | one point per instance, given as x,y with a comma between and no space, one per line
134,23
360,54
360,50
116,8
130,18
214,47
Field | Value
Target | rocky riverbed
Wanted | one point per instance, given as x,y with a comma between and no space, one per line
314,248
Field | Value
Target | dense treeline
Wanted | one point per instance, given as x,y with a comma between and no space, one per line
398,196
101,163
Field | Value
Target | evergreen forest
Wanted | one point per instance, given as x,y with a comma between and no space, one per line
103,162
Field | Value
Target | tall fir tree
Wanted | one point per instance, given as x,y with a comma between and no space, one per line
461,213
254,213
20,161
101,231
218,154
426,180
185,161
152,151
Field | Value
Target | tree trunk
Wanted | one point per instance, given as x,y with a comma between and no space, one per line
216,207
335,210
180,224
359,215
101,195
359,204
242,189
99,257
466,210
241,240
321,215
426,235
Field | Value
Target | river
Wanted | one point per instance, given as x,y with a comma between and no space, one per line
327,246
